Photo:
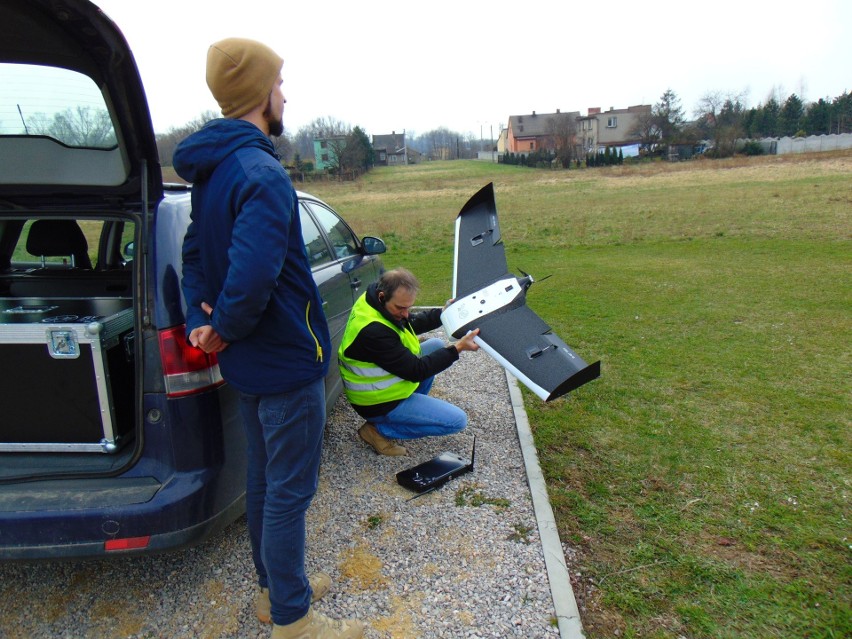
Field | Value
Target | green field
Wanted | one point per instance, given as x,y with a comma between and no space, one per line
704,479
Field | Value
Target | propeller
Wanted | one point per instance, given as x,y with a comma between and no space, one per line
528,280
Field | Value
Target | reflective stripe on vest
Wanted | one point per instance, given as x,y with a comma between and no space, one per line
365,383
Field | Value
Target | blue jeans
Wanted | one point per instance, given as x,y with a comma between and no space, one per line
284,434
420,415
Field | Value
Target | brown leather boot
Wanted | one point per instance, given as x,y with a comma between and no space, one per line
320,585
381,445
315,625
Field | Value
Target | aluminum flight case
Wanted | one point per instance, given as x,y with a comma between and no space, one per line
66,374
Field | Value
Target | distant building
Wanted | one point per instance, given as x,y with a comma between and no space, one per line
614,128
325,151
390,150
503,141
533,132
594,132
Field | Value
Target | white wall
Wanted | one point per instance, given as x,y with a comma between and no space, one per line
810,144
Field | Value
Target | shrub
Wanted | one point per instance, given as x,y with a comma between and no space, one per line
752,147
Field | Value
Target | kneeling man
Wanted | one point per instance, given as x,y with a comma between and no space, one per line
387,372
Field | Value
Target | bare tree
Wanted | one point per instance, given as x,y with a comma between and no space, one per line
167,142
350,156
78,126
719,118
328,126
439,144
647,131
708,109
283,146
562,131
322,127
336,161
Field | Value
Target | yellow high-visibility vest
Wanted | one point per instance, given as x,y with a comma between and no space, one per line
365,383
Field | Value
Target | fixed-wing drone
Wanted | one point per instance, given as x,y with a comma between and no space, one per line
488,297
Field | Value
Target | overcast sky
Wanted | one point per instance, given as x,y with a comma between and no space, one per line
394,65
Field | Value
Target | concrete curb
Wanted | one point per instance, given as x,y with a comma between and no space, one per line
564,602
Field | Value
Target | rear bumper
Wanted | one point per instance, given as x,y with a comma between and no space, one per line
182,513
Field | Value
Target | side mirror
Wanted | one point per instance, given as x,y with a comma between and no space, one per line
373,246
129,250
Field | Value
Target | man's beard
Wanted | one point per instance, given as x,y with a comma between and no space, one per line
276,127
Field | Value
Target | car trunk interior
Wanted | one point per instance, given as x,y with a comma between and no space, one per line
67,344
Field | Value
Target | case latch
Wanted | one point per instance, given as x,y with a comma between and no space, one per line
62,344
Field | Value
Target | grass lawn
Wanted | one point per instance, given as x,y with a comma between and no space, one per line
704,479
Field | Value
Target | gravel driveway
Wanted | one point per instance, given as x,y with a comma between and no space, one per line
465,561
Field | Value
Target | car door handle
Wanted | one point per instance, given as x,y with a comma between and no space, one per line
356,284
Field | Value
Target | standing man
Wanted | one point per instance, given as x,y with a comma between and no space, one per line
251,299
387,373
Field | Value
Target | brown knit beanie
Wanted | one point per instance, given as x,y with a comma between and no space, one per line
240,74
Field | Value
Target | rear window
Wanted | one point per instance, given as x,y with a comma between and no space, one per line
56,129
63,105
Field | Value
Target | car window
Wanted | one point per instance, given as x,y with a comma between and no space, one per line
343,241
127,243
315,245
22,257
56,103
56,128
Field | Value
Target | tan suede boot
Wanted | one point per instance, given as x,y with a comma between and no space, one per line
315,625
381,445
320,585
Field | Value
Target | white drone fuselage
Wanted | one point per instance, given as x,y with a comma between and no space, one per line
504,293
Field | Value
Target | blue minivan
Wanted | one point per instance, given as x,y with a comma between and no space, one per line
116,437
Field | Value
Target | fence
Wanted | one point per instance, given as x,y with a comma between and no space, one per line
810,144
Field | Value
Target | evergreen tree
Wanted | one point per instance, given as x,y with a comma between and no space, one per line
842,114
790,116
769,119
668,117
817,119
362,149
750,123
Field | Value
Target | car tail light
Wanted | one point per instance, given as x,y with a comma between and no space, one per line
187,369
127,543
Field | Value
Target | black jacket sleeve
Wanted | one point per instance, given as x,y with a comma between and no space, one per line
427,320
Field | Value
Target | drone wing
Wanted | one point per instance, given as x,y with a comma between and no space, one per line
479,257
527,347
493,300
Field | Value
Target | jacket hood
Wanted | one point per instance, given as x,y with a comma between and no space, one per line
197,156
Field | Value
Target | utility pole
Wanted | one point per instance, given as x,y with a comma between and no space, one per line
404,149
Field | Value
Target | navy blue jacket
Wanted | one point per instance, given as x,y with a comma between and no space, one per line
244,255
